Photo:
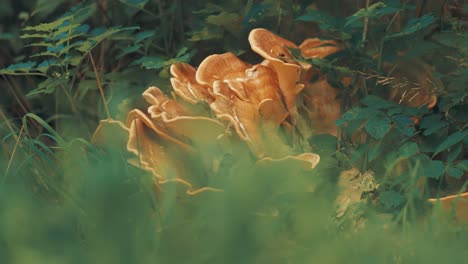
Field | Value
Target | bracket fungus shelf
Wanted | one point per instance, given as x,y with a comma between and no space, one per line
261,113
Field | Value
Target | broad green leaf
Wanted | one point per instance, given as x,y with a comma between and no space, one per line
378,126
136,3
432,123
391,199
229,21
462,165
207,34
454,172
451,140
454,153
181,52
140,36
413,26
430,168
323,20
209,9
404,124
370,12
377,102
408,150
129,50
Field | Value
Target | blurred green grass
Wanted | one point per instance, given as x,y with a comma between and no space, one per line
79,204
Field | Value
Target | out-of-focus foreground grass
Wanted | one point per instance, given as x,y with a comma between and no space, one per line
73,203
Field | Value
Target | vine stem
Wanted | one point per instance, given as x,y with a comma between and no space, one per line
366,26
100,87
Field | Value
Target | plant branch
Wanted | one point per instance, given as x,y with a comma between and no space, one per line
100,87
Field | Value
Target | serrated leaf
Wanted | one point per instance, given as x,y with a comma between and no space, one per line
47,27
44,65
48,86
378,126
35,35
451,140
18,67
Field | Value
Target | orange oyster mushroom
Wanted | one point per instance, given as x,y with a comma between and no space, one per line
186,86
274,49
250,100
220,67
317,48
177,119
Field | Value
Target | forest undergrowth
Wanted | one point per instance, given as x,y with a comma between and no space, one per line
401,78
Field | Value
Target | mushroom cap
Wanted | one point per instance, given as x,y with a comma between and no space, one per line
270,46
316,48
220,67
186,86
275,50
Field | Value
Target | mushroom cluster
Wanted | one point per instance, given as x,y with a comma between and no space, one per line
227,104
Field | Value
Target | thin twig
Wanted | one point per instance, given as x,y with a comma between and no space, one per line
100,87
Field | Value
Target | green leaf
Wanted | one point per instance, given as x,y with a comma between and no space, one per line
35,35
378,126
404,124
454,153
377,102
18,67
391,199
140,36
375,151
207,34
323,20
370,12
135,3
462,165
432,123
48,27
129,50
451,140
454,172
408,150
430,168
413,26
